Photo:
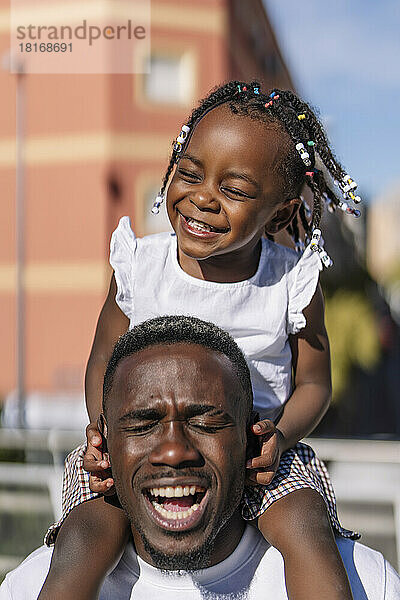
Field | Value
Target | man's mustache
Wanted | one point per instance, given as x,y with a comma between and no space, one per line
175,473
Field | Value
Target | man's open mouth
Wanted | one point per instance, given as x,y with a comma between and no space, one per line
201,226
176,507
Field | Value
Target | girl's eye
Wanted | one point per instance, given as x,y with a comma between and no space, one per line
234,192
188,175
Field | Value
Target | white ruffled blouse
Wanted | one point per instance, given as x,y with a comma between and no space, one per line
259,312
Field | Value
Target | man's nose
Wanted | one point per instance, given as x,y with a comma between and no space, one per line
175,449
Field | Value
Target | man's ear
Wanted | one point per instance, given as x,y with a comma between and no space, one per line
253,443
283,216
102,427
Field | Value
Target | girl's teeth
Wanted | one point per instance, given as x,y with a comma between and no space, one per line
198,225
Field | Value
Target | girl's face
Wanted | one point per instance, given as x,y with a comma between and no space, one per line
226,188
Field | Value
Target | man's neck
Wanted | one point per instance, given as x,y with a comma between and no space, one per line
227,539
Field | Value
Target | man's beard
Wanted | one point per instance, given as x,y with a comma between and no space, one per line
188,561
198,558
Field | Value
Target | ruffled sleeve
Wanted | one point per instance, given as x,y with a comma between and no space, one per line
122,250
302,283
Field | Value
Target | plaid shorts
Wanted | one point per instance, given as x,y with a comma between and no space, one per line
299,468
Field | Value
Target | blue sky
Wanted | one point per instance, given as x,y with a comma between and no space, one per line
344,57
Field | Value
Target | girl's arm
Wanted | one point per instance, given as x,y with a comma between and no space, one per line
312,377
310,398
111,324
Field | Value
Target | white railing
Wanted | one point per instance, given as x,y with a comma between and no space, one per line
362,471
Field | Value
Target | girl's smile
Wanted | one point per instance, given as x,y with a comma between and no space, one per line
224,194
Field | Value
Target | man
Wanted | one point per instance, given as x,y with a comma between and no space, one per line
177,408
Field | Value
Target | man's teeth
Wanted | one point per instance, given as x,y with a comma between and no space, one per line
199,225
176,491
169,514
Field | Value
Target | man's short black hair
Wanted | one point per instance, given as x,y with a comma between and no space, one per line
177,330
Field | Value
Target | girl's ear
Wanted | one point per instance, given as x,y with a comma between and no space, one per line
283,216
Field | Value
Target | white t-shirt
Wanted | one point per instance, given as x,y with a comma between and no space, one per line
259,312
254,571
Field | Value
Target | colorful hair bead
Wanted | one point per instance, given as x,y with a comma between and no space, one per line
325,258
256,90
274,96
244,89
180,140
344,207
356,199
310,173
349,183
347,186
315,239
239,88
305,157
349,209
157,203
310,143
301,117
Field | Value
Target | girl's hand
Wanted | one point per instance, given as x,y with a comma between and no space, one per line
265,466
96,462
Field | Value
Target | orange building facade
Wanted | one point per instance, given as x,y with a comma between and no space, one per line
96,148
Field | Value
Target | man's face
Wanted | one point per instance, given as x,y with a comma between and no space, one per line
177,444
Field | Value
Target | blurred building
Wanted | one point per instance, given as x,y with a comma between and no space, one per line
383,233
96,147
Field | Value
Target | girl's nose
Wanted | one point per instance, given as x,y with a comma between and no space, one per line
174,449
205,200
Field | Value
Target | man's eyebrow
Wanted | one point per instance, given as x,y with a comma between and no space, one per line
151,414
144,414
200,409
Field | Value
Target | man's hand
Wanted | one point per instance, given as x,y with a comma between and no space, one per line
96,462
262,469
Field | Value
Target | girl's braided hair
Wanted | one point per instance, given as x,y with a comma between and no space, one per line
286,111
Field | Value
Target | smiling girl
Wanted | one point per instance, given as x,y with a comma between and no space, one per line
234,180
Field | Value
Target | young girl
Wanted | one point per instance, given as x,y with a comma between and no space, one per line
235,177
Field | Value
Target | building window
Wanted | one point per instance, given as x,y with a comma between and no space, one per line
169,79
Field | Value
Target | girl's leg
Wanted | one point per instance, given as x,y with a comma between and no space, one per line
298,526
88,545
